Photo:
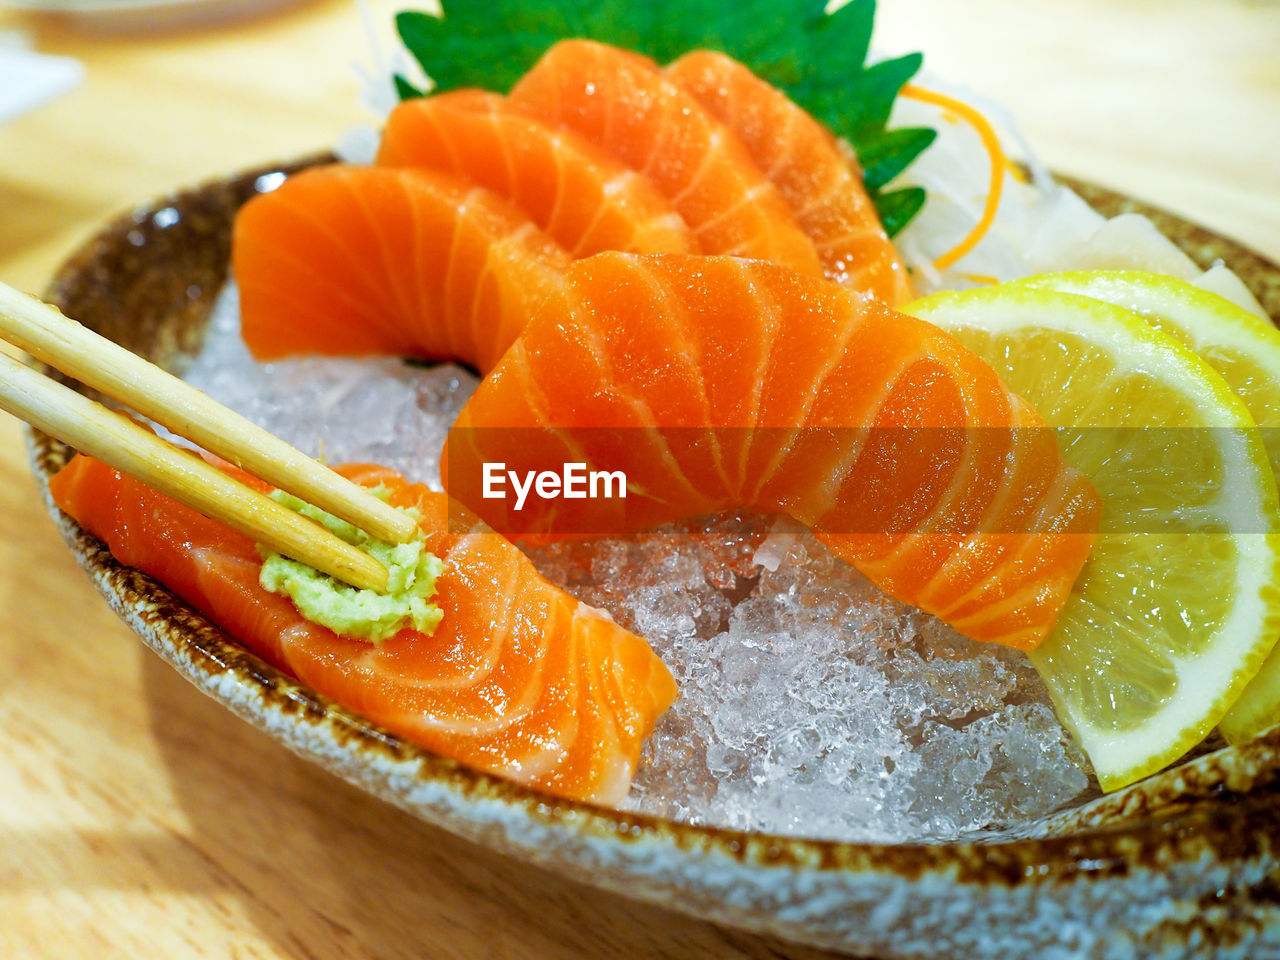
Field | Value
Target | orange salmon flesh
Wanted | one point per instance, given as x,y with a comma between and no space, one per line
709,382
519,678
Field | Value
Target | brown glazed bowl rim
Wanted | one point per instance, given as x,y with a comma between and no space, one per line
1222,804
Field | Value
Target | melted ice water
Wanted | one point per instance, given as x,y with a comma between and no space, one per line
810,703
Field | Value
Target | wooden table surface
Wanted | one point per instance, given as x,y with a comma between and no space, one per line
139,819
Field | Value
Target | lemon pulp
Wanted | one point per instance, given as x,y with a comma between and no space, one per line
1176,608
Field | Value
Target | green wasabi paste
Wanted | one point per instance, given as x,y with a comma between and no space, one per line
344,609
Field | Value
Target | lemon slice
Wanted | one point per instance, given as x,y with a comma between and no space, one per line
1163,630
1242,347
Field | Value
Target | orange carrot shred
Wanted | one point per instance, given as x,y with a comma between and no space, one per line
999,163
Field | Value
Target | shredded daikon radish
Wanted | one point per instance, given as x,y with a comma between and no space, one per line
1039,227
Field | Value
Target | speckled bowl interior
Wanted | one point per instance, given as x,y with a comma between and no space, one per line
1170,867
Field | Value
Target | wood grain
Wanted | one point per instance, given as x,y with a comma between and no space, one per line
138,818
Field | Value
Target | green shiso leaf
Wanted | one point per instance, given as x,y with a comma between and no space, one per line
897,207
886,156
845,36
406,90
859,107
818,59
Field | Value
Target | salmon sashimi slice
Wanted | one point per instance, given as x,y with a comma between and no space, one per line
805,162
349,260
622,102
715,383
519,679
579,194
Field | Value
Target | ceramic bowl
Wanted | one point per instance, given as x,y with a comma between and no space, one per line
1182,864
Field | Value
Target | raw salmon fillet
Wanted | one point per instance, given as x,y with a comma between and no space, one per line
716,383
350,260
581,196
622,102
803,160
519,679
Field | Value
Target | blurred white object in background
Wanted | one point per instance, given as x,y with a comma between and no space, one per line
116,16
378,94
28,79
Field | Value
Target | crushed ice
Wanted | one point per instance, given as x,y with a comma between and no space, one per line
342,410
810,703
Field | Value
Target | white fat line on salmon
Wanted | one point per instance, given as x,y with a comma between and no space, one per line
573,482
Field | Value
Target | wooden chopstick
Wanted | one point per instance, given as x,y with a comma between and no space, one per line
132,449
65,345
